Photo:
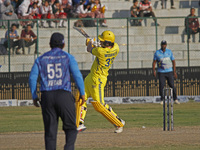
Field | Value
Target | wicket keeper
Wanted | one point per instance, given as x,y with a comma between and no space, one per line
97,78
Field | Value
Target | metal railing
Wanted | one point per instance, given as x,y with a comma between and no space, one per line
137,43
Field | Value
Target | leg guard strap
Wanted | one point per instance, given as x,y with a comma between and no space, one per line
107,114
78,107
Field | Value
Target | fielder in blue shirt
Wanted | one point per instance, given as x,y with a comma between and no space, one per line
54,68
166,68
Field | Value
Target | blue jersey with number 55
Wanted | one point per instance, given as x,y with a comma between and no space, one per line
54,68
103,61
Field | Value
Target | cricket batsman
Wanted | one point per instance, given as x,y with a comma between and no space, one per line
97,78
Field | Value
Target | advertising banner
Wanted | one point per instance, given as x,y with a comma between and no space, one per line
9,102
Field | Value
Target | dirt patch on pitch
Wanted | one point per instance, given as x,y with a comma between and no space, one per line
105,138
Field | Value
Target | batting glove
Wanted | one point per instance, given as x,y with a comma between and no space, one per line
90,39
36,102
97,44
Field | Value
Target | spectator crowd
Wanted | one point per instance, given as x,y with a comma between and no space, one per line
144,9
24,12
49,12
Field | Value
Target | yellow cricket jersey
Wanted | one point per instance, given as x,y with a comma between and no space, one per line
103,61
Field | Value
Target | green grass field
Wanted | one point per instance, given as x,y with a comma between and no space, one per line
29,119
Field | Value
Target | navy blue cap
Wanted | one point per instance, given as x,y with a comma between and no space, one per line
57,39
163,42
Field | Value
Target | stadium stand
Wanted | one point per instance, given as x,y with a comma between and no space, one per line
142,39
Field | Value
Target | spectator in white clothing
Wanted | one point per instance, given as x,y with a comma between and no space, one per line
145,10
59,14
83,13
38,2
35,12
46,11
99,11
23,13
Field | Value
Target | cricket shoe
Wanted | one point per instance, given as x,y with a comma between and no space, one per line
161,102
81,128
176,102
120,129
104,25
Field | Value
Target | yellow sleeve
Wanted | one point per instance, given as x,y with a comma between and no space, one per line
97,51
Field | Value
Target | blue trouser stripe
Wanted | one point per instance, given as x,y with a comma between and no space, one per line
100,94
